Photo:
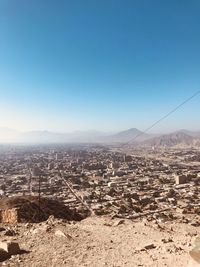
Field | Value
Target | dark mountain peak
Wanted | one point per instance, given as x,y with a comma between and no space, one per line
130,135
131,131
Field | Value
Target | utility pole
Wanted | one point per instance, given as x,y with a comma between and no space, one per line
29,181
39,193
4,186
29,164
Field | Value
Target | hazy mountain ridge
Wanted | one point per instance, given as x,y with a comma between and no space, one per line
174,139
51,137
133,135
129,135
195,134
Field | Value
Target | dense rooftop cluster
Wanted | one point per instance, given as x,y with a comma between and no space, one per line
161,183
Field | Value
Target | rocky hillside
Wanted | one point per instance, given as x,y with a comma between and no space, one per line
97,242
172,140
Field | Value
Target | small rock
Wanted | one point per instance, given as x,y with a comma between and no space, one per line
10,232
167,240
60,233
50,220
107,224
42,228
195,223
150,246
195,253
12,248
4,255
35,231
27,225
118,222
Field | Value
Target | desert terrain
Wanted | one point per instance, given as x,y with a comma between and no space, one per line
101,241
98,206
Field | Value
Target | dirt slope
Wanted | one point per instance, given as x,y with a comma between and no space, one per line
102,242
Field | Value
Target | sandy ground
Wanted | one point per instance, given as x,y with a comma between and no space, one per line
102,241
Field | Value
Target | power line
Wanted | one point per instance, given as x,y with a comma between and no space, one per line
164,117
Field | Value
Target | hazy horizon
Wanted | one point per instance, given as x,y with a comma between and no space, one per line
103,131
91,136
103,65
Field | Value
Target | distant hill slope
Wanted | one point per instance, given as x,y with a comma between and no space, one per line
195,134
173,139
76,136
51,137
130,135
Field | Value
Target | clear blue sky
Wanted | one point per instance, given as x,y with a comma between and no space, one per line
99,64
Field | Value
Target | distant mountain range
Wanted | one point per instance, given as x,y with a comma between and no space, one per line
133,135
179,138
129,135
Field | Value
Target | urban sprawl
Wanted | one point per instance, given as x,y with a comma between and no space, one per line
156,182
